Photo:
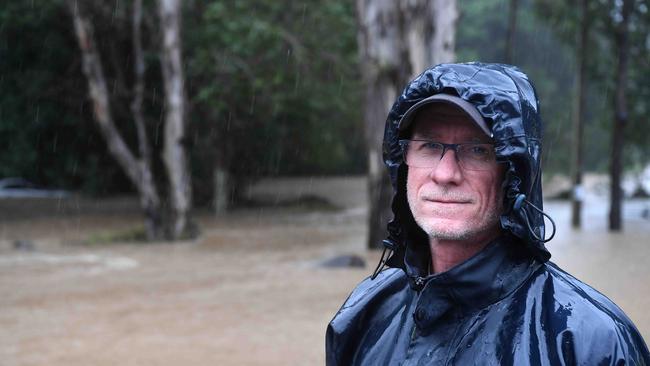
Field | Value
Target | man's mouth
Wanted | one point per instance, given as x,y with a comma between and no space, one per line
448,200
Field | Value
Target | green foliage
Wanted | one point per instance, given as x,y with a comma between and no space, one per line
604,17
273,89
275,86
545,44
46,130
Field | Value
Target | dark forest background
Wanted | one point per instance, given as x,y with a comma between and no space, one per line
274,87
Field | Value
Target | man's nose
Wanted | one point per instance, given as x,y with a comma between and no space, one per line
448,170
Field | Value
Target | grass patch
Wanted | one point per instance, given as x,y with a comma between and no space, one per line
137,234
132,234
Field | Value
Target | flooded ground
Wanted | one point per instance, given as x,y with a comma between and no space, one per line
249,291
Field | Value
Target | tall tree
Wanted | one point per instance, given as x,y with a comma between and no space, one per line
617,65
579,114
397,39
620,115
137,169
174,154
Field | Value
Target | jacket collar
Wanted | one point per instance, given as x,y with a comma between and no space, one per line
483,279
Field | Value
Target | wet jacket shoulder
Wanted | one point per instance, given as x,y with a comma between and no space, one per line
604,333
498,308
387,295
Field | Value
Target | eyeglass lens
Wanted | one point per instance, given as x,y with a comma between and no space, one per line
427,154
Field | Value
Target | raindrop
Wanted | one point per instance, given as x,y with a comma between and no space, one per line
156,135
252,105
56,137
295,85
114,15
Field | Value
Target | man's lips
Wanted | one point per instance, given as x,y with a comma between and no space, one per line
447,200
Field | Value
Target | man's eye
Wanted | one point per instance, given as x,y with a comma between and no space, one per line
431,146
478,151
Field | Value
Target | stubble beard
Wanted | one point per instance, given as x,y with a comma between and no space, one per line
472,228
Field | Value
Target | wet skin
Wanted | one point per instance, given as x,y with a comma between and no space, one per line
458,208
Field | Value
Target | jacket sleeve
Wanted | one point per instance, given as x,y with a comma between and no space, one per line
346,331
598,332
615,346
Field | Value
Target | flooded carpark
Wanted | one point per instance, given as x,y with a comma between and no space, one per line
250,290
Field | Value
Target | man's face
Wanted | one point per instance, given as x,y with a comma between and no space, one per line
447,201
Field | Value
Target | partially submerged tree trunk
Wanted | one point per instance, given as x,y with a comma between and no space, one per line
174,154
149,198
397,39
137,170
222,189
579,115
620,118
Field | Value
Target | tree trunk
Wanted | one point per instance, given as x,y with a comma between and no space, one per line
397,39
512,31
149,200
221,190
138,171
579,116
174,154
620,111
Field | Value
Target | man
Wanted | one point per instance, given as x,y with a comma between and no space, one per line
471,283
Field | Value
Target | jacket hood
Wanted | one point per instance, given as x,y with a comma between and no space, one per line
507,101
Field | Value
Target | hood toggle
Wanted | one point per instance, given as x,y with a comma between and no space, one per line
520,200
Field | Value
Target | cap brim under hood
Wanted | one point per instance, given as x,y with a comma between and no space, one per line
507,101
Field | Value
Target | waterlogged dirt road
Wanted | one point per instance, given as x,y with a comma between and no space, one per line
249,291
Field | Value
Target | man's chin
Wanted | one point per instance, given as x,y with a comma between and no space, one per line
450,235
446,230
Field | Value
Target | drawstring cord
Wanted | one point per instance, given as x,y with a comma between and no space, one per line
519,202
388,245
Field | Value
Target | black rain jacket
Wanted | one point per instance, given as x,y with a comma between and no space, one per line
506,305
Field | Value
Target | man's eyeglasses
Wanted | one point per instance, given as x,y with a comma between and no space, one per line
427,154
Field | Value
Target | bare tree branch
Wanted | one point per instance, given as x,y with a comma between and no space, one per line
92,68
137,170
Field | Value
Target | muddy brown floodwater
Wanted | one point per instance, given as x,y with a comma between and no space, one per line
248,291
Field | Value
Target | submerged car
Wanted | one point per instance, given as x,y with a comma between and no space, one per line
16,187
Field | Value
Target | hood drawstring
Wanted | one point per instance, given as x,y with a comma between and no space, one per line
388,245
520,199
